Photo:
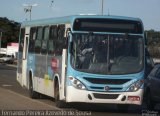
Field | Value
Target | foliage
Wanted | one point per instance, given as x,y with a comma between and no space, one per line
153,42
10,30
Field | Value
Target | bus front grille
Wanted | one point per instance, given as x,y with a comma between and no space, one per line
111,88
106,81
105,96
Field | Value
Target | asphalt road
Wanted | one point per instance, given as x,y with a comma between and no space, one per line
14,97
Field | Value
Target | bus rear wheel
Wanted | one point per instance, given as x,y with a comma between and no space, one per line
32,93
59,103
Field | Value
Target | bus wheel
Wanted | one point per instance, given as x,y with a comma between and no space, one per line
122,107
32,93
59,103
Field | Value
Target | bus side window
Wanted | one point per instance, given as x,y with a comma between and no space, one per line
45,40
32,39
38,41
50,47
60,41
53,32
21,41
52,37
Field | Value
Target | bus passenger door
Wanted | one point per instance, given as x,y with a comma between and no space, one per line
24,60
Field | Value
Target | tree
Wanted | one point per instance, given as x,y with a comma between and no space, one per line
153,42
10,31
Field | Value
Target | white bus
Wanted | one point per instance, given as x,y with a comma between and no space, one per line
91,59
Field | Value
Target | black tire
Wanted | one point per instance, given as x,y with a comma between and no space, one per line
32,93
59,103
122,107
149,102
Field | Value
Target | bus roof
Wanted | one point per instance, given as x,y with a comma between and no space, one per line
70,19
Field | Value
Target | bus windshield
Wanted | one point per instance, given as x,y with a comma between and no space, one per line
107,53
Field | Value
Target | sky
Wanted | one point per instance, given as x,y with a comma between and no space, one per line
147,10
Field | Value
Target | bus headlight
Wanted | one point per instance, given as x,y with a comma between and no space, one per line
76,83
135,86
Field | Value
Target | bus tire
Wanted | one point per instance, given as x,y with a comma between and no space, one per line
59,103
122,107
32,93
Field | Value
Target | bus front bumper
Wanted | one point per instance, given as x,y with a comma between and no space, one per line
76,95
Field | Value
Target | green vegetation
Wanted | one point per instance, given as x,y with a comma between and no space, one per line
153,43
10,31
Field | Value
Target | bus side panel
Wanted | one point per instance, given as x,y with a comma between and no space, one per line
54,69
40,70
44,73
50,84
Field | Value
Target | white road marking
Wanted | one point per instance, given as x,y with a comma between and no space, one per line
6,85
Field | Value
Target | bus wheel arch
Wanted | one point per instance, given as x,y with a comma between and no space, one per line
59,103
30,79
33,94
